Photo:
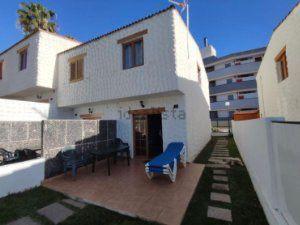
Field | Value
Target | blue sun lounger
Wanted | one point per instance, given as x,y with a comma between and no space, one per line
166,163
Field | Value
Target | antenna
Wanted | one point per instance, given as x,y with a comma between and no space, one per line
184,6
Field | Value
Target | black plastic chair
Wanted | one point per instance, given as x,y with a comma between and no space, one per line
73,159
7,157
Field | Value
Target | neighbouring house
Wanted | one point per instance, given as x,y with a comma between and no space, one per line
148,75
278,78
27,73
231,80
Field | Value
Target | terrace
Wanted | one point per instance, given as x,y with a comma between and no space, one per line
129,191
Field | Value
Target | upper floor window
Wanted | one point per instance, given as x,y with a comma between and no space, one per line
227,65
1,69
213,98
133,49
76,68
245,75
281,63
212,83
230,97
210,69
133,54
23,58
228,81
258,59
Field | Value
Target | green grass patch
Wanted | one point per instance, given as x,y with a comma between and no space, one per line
246,209
27,203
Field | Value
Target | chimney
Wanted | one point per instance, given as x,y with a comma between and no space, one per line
205,42
208,50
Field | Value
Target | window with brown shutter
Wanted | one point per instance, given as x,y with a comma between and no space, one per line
281,63
1,70
76,68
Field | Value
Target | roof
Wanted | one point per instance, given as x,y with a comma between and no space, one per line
297,4
122,27
213,59
33,33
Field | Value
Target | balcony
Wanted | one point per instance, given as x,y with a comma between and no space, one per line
235,104
236,86
234,70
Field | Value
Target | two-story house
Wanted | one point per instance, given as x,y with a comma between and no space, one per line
148,75
232,82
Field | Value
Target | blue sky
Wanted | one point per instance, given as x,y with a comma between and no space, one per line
230,25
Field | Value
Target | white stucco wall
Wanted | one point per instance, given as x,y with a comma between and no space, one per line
41,61
196,93
281,98
104,77
173,127
271,155
20,176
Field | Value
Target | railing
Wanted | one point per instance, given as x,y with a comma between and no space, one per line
234,70
235,104
251,84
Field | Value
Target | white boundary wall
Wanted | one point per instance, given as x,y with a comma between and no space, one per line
16,110
271,153
20,176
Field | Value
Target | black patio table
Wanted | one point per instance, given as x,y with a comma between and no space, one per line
109,152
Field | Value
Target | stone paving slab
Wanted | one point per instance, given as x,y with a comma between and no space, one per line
219,213
220,197
222,154
74,203
217,152
24,221
55,212
218,161
220,187
220,172
221,166
221,147
219,155
220,178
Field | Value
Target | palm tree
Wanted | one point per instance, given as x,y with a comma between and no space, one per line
34,16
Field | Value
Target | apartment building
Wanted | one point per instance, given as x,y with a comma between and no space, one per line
144,75
232,83
278,78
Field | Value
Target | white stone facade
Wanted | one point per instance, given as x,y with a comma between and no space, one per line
281,98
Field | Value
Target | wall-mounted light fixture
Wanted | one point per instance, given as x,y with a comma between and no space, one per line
142,104
175,106
90,110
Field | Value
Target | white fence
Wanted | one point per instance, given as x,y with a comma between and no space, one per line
20,176
15,110
271,151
